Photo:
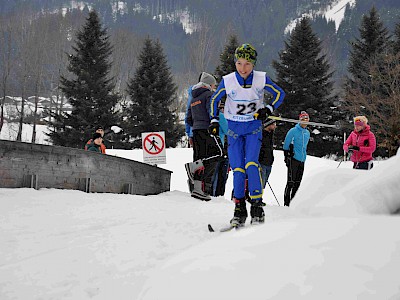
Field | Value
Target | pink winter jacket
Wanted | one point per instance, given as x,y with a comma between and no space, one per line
365,140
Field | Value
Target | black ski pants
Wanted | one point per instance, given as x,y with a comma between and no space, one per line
209,149
295,175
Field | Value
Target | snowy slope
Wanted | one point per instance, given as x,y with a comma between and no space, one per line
337,240
334,12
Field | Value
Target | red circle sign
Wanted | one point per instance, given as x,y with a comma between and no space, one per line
152,146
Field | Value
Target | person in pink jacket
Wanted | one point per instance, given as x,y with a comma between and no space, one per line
361,144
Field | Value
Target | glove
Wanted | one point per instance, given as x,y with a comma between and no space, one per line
288,157
263,113
352,148
214,128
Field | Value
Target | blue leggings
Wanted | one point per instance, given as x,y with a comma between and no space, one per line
244,142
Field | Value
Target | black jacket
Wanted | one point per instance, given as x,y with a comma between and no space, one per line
198,114
267,148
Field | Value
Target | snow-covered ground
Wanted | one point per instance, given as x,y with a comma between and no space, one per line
338,240
10,131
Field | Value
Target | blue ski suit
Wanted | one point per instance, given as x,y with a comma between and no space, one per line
243,99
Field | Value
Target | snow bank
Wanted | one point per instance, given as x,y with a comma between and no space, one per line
347,192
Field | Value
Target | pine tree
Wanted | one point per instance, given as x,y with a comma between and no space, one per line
88,89
304,74
367,50
227,63
152,93
380,102
368,58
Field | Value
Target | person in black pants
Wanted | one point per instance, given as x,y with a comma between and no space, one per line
295,151
207,148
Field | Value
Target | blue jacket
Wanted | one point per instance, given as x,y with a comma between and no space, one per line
188,128
223,128
299,137
277,93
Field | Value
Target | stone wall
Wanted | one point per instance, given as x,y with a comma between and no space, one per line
43,166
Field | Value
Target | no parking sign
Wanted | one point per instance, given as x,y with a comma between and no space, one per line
153,145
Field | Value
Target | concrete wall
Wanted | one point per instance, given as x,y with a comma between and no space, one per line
43,166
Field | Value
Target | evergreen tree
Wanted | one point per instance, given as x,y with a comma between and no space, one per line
367,50
304,74
152,93
380,103
368,57
89,89
227,63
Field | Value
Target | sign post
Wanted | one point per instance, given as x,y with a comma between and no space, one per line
153,145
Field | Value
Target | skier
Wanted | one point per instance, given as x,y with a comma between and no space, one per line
245,111
361,143
295,151
206,147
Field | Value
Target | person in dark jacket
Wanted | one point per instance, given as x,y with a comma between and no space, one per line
100,130
95,143
207,148
266,158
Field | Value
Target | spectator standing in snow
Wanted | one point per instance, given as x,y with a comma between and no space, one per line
266,157
361,144
188,128
100,130
245,111
189,132
295,151
95,144
206,147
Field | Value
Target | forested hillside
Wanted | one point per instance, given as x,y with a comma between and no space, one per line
182,24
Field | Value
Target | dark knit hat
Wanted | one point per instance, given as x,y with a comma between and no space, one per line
246,51
96,135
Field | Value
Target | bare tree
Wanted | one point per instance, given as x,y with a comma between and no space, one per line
202,46
22,67
126,50
6,40
382,106
39,55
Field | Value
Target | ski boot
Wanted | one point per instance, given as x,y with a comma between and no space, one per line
240,214
193,167
198,191
257,213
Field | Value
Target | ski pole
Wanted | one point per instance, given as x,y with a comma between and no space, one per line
339,163
343,159
273,193
336,126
